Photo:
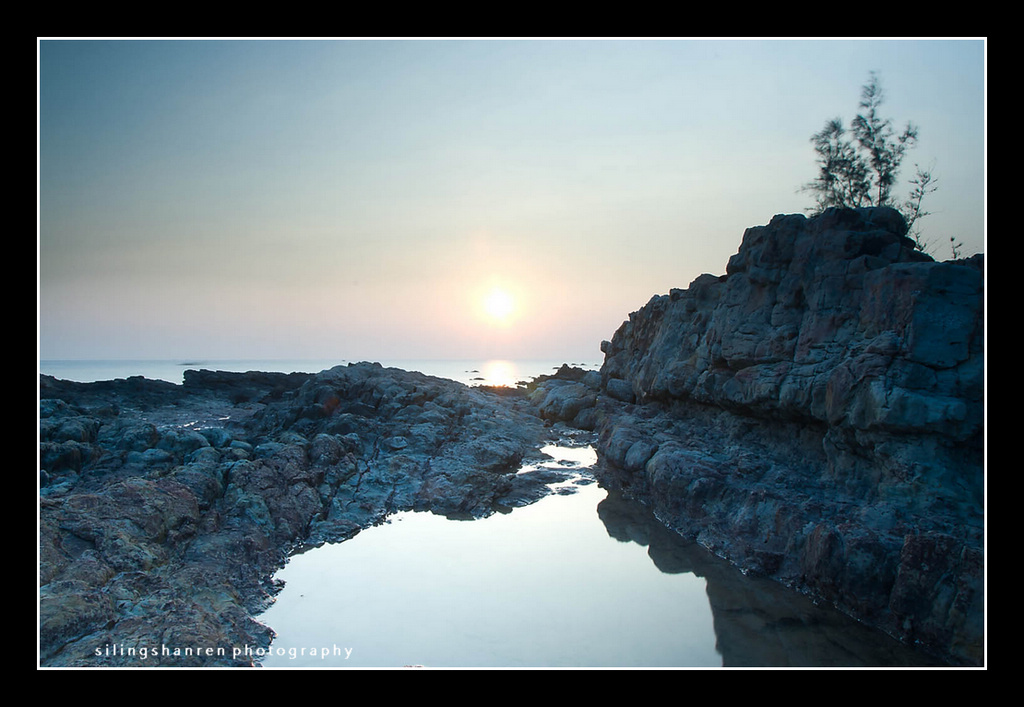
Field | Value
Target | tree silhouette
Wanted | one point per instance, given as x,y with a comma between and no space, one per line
875,136
859,167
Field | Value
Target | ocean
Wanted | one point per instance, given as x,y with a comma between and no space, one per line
467,371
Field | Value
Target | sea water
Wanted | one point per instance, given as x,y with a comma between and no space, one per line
468,371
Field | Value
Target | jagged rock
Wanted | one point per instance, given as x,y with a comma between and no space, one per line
165,510
835,318
851,367
815,415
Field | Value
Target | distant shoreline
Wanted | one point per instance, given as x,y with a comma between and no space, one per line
470,371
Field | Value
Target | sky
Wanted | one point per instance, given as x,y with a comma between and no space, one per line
419,198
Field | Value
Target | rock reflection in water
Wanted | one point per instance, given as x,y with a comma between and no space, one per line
539,586
758,623
550,585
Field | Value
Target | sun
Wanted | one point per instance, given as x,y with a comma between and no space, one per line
499,305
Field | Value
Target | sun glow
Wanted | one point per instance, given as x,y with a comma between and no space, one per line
500,373
499,305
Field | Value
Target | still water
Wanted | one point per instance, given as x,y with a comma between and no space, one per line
580,579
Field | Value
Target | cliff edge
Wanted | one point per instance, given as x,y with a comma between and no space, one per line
816,414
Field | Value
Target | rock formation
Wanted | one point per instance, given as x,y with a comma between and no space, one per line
816,414
166,509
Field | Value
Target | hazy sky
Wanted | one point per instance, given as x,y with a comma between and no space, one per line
359,199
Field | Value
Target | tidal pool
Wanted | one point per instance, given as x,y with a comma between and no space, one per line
581,578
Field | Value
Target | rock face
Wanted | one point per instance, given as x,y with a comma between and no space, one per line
816,414
165,509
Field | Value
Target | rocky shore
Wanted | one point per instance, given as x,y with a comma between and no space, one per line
815,416
166,509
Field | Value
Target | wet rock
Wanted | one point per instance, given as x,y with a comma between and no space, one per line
216,437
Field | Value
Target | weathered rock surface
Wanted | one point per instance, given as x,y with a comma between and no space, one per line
165,509
817,415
